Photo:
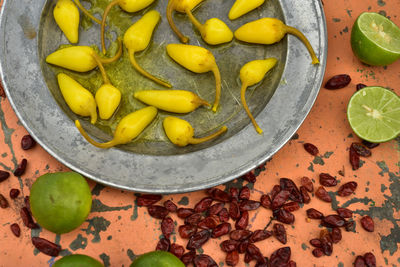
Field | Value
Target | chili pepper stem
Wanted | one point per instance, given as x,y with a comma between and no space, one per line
114,58
304,39
170,9
217,76
103,23
78,3
192,18
200,102
101,67
145,73
246,108
90,140
195,141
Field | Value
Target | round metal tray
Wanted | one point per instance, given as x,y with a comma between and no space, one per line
150,163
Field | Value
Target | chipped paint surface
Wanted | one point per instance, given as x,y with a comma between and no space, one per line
117,229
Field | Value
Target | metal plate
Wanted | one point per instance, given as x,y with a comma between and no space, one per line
151,164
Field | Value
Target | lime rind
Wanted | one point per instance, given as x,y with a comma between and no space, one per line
374,114
381,31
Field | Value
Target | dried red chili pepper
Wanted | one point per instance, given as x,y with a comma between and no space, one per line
289,185
167,226
360,86
322,194
197,240
317,252
247,204
344,213
240,235
255,253
350,226
314,214
291,206
232,258
361,150
158,212
187,230
147,200
280,199
336,235
337,82
234,210
194,219
316,243
14,193
4,175
177,250
333,221
3,202
280,257
27,142
242,248
244,193
27,219
163,244
184,212
223,215
370,259
347,189
243,221
259,235
280,233
359,262
229,245
46,247
265,201
250,177
326,242
219,195
234,192
354,158
369,144
304,193
307,183
20,170
284,216
310,148
209,222
327,180
204,260
220,230
203,204
367,223
15,229
275,190
170,206
188,257
215,208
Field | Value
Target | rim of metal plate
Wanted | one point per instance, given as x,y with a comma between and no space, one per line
54,131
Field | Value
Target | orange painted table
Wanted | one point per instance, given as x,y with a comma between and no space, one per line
117,229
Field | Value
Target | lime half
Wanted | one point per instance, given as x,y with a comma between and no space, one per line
157,259
374,114
375,40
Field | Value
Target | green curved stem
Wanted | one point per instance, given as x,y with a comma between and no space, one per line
84,10
90,140
305,41
217,76
195,141
193,19
170,9
145,73
102,70
117,55
246,108
103,23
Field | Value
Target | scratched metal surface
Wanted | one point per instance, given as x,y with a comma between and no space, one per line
117,230
292,89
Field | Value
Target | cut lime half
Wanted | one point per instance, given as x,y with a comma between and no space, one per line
375,40
374,114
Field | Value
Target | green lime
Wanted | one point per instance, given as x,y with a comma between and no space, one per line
60,202
374,114
157,259
375,40
77,260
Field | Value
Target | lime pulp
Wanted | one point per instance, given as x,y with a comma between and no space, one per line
374,114
157,259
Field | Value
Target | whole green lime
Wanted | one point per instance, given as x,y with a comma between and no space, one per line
77,260
375,39
157,259
60,202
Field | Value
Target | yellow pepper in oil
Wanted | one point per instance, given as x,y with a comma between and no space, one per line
107,96
177,101
241,7
182,6
78,99
66,15
79,58
127,129
138,37
269,31
128,6
78,3
199,60
250,74
181,133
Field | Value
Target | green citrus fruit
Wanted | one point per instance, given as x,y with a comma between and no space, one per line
375,40
157,259
77,260
60,202
374,114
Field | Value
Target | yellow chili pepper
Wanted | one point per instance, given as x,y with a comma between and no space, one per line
199,60
250,74
78,3
137,38
269,31
178,101
78,99
66,15
127,129
181,133
241,7
128,6
214,31
181,6
107,96
79,58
